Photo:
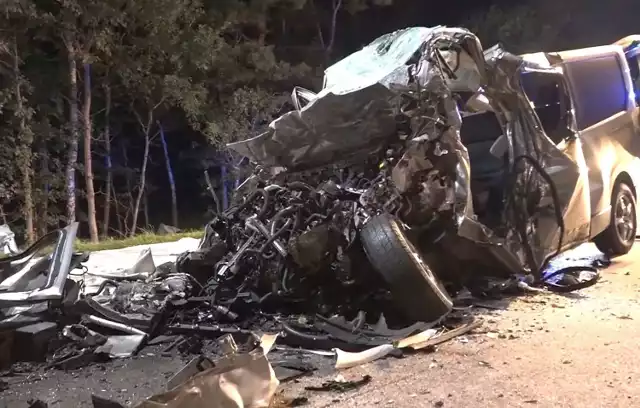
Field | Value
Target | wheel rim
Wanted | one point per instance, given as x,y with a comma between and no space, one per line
624,219
419,262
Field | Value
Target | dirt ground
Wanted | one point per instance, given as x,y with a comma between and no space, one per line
545,351
578,350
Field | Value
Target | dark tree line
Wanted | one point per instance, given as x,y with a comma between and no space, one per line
89,89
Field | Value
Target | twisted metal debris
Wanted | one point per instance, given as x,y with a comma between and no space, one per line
291,241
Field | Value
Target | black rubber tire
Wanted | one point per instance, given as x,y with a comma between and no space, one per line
416,291
609,241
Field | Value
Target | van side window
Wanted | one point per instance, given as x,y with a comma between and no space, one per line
550,102
598,88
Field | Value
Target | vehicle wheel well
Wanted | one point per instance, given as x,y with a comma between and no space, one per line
626,179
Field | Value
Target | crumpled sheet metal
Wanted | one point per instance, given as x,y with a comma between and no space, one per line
324,130
117,346
356,111
25,270
122,346
238,381
528,141
403,84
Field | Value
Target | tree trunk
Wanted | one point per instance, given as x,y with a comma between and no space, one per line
44,213
145,209
129,192
225,187
318,27
107,149
122,229
41,192
172,182
214,195
72,150
88,162
337,5
143,174
24,152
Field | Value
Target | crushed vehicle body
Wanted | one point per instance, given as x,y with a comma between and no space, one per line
461,160
426,165
440,166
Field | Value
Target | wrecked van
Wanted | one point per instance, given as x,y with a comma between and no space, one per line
485,163
597,87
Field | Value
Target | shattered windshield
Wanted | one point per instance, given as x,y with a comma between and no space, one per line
376,61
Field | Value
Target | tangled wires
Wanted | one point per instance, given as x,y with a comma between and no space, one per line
279,231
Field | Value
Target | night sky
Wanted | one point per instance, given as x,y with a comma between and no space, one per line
377,21
582,22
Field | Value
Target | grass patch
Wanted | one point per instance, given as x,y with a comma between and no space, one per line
141,239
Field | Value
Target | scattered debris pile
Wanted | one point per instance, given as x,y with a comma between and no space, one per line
358,227
289,246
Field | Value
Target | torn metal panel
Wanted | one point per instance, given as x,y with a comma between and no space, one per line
143,268
40,272
22,315
549,173
354,115
122,346
193,367
328,131
236,381
116,346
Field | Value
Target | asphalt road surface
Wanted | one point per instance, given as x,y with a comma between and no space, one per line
543,351
579,350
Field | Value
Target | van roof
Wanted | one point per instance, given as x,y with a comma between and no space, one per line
631,44
588,52
568,55
629,41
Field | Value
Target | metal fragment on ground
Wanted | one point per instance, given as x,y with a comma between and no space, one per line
345,359
236,381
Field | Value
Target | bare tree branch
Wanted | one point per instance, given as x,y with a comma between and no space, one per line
337,5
